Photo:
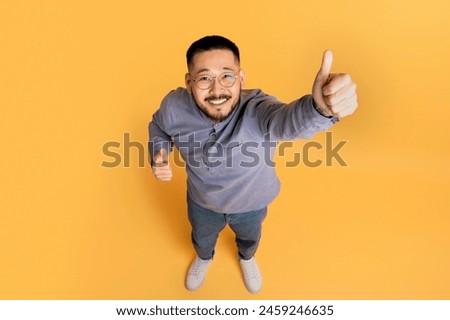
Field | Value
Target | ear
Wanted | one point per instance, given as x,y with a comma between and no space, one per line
242,76
188,81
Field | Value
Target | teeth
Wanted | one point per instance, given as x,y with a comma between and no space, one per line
217,102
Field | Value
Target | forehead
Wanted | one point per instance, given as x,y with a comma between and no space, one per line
213,60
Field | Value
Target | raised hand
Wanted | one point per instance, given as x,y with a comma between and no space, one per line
334,93
161,167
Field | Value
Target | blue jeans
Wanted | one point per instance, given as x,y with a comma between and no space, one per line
207,224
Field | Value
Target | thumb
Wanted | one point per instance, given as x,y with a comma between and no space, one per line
161,156
325,68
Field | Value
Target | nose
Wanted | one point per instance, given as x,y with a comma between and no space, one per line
215,86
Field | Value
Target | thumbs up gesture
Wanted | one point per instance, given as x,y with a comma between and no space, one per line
334,93
161,167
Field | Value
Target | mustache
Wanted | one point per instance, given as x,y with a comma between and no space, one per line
222,96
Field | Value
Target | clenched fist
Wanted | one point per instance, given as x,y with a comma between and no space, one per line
161,167
334,93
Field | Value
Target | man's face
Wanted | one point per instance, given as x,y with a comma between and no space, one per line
217,101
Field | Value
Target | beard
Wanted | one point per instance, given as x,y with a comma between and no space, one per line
218,112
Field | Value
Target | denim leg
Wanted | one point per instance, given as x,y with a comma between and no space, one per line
247,227
206,226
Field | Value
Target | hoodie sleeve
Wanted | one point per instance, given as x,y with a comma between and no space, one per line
296,120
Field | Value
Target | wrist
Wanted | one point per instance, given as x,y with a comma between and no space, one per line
320,111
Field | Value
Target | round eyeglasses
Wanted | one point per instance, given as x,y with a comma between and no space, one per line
226,79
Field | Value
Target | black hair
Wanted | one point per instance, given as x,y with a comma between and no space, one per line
211,43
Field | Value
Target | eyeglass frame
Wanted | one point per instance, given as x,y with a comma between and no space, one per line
213,79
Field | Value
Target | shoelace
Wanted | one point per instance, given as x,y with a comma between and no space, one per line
198,266
251,271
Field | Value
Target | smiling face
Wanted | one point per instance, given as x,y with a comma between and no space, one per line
217,101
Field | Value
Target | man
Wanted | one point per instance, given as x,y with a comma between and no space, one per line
227,137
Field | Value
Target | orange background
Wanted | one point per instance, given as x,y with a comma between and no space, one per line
77,74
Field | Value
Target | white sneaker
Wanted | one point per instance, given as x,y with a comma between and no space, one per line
252,275
196,274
